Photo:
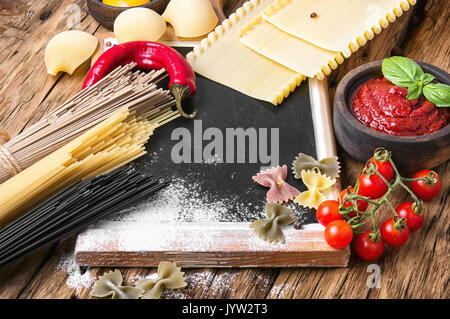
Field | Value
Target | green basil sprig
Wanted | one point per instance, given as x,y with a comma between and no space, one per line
406,73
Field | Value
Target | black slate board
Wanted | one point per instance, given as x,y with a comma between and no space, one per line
221,107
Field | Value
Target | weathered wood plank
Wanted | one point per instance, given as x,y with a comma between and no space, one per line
15,277
428,42
417,270
10,11
25,83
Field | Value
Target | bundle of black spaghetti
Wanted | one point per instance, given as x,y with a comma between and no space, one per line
74,208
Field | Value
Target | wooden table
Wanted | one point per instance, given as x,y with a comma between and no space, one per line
418,270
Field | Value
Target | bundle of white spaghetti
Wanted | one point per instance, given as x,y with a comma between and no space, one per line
121,89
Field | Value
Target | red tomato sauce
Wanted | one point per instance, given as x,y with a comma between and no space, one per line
383,106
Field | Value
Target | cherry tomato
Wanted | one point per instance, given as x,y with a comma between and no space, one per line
384,168
328,211
338,234
372,186
424,191
391,235
413,220
360,204
367,249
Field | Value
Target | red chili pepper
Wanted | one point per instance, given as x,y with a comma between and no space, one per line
150,56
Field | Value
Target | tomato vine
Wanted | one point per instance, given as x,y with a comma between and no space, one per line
380,177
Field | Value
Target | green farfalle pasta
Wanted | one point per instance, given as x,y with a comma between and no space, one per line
329,166
110,285
169,276
269,229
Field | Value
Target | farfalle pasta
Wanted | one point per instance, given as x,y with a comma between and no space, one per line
110,285
329,166
169,277
316,184
275,178
269,229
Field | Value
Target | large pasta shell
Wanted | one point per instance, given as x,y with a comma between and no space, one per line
191,18
139,24
67,50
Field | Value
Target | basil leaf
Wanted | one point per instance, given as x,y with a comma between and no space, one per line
437,93
401,71
414,91
427,78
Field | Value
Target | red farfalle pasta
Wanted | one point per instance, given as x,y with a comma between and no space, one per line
275,178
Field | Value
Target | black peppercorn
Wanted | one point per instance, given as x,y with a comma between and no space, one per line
313,15
298,225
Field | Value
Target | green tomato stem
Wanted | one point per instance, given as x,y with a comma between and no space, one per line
414,179
399,181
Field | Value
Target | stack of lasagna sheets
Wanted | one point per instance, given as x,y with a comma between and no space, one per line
266,48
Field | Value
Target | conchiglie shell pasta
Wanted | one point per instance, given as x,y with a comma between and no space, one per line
191,18
67,50
139,24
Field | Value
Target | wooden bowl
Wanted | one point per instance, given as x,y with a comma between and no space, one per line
105,15
410,153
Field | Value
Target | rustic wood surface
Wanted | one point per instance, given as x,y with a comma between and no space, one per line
418,270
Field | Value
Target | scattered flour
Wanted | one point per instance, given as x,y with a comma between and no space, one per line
280,291
264,281
76,277
197,279
224,281
184,202
135,278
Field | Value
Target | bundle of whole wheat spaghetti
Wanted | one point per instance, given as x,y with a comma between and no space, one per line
121,89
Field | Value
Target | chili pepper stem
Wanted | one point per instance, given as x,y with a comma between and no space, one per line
180,92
